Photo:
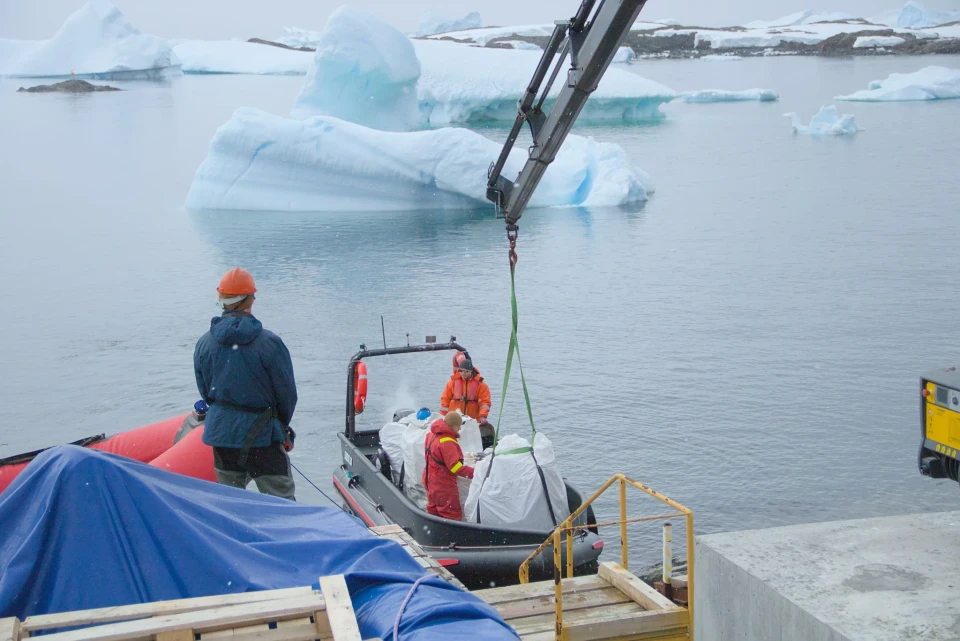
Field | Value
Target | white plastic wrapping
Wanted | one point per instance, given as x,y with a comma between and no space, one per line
512,495
405,444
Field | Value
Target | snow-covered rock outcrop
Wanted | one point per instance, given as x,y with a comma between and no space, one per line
434,22
930,83
363,71
95,42
827,122
258,161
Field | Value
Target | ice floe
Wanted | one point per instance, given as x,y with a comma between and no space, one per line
930,83
722,95
232,56
827,122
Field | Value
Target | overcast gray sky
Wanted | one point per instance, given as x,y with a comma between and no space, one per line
211,19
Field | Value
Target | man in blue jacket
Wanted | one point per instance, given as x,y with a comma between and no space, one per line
245,375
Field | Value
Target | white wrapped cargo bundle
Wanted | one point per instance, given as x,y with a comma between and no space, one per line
405,443
512,495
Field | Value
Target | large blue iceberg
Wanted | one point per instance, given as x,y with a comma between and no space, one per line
82,529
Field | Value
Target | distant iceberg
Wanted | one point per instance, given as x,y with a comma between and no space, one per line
722,95
801,18
296,37
231,56
364,71
95,42
258,161
623,54
930,83
827,122
914,15
434,22
461,84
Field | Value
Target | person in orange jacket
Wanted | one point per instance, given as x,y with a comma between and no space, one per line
444,464
467,392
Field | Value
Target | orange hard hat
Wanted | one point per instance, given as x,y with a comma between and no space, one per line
237,282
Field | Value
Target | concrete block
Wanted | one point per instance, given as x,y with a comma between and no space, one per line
885,579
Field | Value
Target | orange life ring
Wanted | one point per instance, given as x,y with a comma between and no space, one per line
360,387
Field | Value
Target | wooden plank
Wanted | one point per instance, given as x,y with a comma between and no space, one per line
543,622
505,594
677,634
633,587
176,635
140,610
300,632
603,626
223,617
10,629
340,614
381,530
514,610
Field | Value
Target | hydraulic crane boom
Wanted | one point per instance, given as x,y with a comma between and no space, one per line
591,42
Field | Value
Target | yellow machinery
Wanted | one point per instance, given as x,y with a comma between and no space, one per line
940,424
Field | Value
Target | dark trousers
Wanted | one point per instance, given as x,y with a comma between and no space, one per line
269,467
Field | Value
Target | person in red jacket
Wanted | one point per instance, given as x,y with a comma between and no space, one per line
444,464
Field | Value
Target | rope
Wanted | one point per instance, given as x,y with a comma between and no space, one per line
406,599
315,487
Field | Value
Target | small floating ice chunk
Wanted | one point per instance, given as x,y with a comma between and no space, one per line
930,83
624,54
715,57
722,95
827,122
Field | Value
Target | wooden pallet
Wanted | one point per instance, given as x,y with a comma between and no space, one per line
612,605
293,614
430,564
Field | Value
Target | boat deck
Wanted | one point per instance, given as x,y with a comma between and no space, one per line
612,605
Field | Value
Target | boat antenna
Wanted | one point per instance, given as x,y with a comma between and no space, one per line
384,331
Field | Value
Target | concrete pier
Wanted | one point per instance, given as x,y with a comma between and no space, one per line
885,579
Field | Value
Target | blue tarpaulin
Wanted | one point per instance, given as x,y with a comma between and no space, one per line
82,529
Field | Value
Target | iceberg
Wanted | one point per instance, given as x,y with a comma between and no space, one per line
258,161
623,54
914,15
95,42
231,56
827,122
364,71
433,22
461,84
484,35
722,95
865,42
930,83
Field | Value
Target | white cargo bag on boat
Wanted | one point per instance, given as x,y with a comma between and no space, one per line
405,445
512,494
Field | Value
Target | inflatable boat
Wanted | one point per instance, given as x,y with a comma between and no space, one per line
479,555
174,445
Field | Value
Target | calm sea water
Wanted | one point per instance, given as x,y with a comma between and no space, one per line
748,342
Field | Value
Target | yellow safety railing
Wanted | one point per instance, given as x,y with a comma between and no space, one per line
569,527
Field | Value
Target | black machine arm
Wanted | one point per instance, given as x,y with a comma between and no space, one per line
591,42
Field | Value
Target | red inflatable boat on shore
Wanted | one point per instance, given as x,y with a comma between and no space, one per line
174,445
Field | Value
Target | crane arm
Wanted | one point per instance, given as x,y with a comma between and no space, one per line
591,42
